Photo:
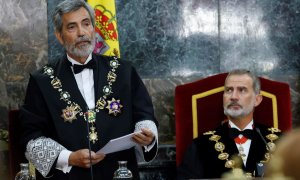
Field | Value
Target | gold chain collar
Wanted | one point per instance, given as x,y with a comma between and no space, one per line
230,163
70,112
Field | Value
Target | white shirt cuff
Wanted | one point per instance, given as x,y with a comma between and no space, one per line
63,161
150,146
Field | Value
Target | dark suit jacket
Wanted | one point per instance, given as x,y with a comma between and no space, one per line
41,114
201,158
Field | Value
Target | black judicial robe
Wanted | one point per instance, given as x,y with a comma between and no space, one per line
42,110
201,158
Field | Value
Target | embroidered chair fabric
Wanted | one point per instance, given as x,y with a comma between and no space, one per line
16,155
199,108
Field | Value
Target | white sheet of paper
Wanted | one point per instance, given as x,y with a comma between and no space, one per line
118,144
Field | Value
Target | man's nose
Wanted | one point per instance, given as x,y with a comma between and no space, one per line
81,32
235,95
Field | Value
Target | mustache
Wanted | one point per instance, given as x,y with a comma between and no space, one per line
234,104
83,39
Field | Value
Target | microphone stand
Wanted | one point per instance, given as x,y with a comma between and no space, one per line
260,166
89,143
261,136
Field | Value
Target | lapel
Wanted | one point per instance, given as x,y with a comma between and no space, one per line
69,84
96,78
229,143
231,147
256,151
100,75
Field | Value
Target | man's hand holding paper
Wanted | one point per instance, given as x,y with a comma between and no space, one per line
143,138
118,144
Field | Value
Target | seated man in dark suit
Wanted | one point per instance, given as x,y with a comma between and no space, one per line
213,153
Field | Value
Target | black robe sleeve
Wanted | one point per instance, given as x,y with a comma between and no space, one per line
33,114
142,103
143,109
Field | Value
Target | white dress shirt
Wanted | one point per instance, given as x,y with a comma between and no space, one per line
247,144
85,83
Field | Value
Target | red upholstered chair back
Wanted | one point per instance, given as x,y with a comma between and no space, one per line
16,155
199,108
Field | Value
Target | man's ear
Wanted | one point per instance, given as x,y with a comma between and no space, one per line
258,99
58,36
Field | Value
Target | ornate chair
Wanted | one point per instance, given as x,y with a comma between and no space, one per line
199,108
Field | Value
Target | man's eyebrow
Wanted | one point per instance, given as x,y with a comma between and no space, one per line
71,23
228,87
238,87
86,19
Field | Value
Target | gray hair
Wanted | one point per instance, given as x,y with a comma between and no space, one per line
256,82
69,6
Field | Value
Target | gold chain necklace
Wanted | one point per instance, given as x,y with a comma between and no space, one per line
70,112
230,163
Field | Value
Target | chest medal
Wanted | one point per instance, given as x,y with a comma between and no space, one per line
69,114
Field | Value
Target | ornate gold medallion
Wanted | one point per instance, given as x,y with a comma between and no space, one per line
272,129
93,135
219,146
91,116
229,164
271,146
56,83
223,156
114,106
69,114
272,137
209,133
215,138
111,76
101,103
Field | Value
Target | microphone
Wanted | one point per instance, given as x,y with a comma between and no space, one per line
260,166
89,143
261,136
